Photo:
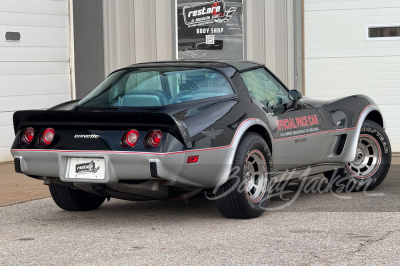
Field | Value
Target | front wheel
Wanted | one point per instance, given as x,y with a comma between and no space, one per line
74,200
372,162
246,194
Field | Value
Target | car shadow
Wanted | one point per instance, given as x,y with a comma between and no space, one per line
314,194
297,198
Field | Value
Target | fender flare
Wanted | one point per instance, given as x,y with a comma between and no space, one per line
242,129
353,140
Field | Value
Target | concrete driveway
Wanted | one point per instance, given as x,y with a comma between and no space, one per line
17,188
317,228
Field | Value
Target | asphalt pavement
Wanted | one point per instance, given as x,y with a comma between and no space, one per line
315,229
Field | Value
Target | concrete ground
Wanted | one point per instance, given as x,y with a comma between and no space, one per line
317,228
18,188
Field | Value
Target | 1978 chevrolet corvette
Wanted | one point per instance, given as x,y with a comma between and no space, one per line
169,130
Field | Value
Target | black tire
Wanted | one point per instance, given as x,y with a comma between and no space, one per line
347,179
233,198
74,200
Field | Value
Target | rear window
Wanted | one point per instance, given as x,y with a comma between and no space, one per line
158,87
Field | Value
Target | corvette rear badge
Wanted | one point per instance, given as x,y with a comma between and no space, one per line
92,136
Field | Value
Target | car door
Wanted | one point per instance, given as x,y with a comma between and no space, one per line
298,139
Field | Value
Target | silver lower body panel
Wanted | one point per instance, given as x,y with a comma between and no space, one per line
212,169
304,172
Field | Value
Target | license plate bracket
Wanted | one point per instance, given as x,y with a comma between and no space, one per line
92,168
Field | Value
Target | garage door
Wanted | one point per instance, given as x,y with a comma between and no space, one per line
34,71
341,60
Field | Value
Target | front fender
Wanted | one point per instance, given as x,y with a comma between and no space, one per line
344,116
350,151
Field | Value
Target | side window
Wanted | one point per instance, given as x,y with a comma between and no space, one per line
264,87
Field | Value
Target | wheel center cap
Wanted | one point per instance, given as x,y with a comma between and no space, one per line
359,157
248,175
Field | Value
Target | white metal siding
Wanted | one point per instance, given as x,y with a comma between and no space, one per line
35,72
340,62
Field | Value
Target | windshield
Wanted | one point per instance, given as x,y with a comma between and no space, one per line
157,87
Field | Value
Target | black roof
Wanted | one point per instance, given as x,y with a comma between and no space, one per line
239,65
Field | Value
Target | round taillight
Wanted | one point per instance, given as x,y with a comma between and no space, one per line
130,138
27,135
47,136
154,139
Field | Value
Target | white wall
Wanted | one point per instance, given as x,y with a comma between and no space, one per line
340,62
35,72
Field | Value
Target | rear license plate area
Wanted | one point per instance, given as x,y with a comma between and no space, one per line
86,168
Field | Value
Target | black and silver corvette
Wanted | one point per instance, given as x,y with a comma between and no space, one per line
170,130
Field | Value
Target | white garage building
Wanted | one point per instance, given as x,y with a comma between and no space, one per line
34,71
340,58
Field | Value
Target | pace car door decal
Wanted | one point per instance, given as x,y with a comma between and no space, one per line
297,125
297,138
298,122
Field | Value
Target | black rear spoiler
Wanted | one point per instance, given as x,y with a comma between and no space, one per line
107,119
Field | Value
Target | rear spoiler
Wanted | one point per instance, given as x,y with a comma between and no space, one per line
107,119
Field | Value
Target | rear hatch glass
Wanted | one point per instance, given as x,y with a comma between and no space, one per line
159,86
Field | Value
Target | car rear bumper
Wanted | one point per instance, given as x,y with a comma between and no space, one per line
212,169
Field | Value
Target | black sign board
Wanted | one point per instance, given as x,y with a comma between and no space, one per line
210,30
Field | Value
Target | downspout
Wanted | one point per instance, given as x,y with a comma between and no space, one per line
296,72
303,46
175,53
71,49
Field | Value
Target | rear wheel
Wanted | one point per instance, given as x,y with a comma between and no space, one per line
74,200
372,162
246,194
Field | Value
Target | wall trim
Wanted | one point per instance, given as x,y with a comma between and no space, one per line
175,53
71,49
304,48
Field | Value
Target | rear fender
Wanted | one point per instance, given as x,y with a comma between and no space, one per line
243,128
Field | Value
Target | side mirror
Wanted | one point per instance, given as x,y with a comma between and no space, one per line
295,95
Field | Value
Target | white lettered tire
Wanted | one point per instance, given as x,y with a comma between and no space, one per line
372,162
